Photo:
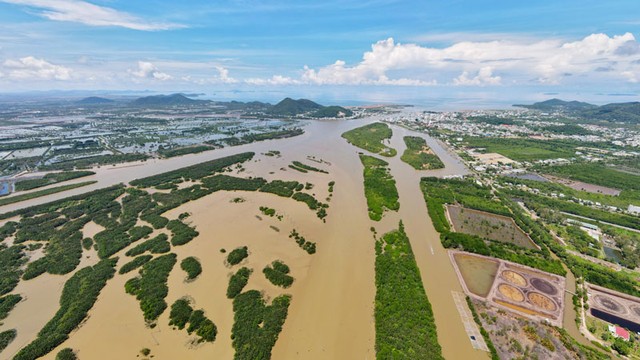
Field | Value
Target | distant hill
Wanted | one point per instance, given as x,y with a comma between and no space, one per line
290,107
557,104
166,100
95,100
615,112
248,106
332,112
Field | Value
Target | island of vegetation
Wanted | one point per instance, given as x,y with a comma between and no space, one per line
379,187
371,137
278,274
405,327
182,314
419,155
192,267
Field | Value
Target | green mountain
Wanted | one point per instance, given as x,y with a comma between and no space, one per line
95,100
290,107
557,104
615,112
332,112
166,100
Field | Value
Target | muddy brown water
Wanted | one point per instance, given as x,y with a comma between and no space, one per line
331,314
478,273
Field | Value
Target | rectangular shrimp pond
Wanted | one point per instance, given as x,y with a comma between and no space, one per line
529,292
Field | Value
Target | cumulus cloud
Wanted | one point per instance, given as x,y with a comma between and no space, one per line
32,68
223,76
147,70
484,77
89,14
474,63
274,80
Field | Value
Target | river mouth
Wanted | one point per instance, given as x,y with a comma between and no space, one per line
478,273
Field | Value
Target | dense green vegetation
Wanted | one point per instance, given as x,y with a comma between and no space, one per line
193,172
312,203
78,296
238,281
379,187
135,263
191,266
299,165
598,174
419,155
370,137
540,204
168,153
40,193
181,232
291,107
11,261
565,129
63,253
157,245
308,246
278,274
405,326
7,303
182,314
51,178
150,288
520,149
332,112
6,337
280,188
66,354
237,255
257,325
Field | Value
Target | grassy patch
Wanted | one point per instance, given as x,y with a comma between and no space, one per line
519,149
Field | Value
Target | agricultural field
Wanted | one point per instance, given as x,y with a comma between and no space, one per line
521,149
487,225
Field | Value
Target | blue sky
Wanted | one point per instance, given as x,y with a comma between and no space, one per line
463,52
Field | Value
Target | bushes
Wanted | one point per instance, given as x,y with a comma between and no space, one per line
280,188
297,165
157,245
419,155
256,326
11,261
6,337
66,354
379,187
237,282
135,263
370,138
61,257
78,296
405,327
180,313
193,172
7,303
192,267
237,255
308,246
231,183
150,288
277,274
181,232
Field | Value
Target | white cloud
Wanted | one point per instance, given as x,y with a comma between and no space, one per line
147,70
484,77
274,80
32,68
519,61
89,14
223,76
